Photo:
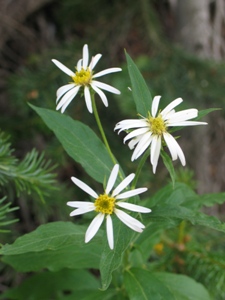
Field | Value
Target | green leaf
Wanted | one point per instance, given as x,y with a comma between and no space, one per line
53,246
142,284
141,94
53,285
204,112
183,287
111,259
169,165
212,199
80,142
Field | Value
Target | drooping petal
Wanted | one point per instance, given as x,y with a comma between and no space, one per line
63,68
155,151
94,61
133,207
170,145
85,56
112,179
155,105
68,96
101,94
106,71
123,184
63,89
94,227
106,87
83,186
109,231
171,106
81,211
131,193
66,104
135,133
177,148
87,97
143,144
134,142
129,221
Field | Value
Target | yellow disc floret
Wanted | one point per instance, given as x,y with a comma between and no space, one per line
157,125
105,204
82,77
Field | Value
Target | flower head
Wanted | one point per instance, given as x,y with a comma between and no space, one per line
107,204
84,78
151,131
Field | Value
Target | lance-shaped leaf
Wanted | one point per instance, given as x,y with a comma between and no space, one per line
80,142
141,94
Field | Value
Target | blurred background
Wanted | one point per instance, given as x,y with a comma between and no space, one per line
179,47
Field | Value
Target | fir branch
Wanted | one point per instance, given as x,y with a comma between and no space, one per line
5,209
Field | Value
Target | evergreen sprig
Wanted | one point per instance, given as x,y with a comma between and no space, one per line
32,174
4,210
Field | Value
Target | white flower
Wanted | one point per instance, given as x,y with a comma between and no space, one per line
151,131
106,204
83,77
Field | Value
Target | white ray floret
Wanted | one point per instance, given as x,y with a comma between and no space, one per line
84,78
154,129
107,204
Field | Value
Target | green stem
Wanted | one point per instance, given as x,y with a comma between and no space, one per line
103,133
181,232
139,168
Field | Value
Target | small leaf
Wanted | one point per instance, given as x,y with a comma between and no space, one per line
141,94
212,199
204,112
169,165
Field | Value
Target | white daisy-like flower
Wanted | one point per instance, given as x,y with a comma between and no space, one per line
107,204
151,131
83,77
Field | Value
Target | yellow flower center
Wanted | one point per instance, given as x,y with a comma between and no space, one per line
82,77
105,204
157,125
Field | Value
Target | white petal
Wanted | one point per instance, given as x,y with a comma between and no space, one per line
142,145
183,115
155,151
83,186
129,221
66,104
170,145
155,105
94,227
85,56
63,68
101,94
134,141
106,87
79,64
109,230
171,106
87,97
135,133
131,193
68,96
123,184
112,179
134,207
177,149
80,204
106,71
129,124
81,211
94,61
63,89
188,123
